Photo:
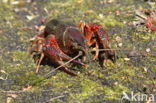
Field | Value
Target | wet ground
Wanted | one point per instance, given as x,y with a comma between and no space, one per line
18,81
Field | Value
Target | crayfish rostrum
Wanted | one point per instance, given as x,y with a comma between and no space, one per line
62,41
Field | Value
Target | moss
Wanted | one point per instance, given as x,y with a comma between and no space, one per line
93,85
115,92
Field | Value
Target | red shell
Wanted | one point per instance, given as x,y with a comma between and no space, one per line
94,27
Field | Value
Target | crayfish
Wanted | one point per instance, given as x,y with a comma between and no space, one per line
62,41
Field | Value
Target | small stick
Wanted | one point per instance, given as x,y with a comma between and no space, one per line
110,49
61,96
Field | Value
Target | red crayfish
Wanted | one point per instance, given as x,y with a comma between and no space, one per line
62,41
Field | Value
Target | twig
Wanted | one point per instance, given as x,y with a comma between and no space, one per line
13,92
19,91
142,16
1,51
112,49
123,50
1,78
56,98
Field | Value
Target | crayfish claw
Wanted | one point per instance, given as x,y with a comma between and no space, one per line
66,70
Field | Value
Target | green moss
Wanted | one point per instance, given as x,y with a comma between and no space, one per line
95,84
115,92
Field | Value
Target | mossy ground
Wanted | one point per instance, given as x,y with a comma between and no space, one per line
93,85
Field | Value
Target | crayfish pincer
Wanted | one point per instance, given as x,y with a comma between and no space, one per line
49,48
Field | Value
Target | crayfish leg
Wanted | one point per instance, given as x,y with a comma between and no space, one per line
39,62
96,52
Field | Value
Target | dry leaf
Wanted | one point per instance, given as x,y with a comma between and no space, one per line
120,44
80,1
126,59
13,95
145,69
2,71
118,39
101,15
148,50
30,17
27,88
